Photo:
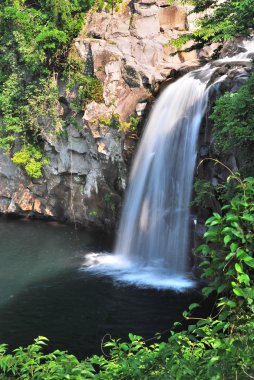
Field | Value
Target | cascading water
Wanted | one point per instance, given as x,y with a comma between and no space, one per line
154,225
153,240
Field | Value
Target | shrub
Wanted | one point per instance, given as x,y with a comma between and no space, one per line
203,190
31,159
233,124
224,21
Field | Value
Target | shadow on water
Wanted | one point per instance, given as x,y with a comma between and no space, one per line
75,311
43,292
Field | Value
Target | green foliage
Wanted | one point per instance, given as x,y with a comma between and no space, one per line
93,214
32,363
123,126
34,39
224,21
31,159
233,123
11,125
200,354
28,112
229,248
131,125
179,2
109,5
181,40
87,89
203,190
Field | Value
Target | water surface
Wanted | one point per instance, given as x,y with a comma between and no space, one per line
43,291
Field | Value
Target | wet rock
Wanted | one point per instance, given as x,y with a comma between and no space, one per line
203,151
208,52
231,48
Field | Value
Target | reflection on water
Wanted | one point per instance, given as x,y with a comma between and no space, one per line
31,251
43,292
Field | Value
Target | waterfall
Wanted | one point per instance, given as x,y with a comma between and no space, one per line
154,225
153,239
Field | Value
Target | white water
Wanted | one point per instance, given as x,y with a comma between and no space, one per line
153,239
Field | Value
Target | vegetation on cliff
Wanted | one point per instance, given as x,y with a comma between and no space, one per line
223,21
232,120
35,39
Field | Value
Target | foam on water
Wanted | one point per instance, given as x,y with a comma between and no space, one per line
245,56
127,272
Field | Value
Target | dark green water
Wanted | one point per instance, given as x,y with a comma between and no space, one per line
43,292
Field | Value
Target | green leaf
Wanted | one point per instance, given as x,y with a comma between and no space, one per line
238,268
244,278
208,290
229,256
239,292
193,306
227,239
233,247
221,288
250,263
248,217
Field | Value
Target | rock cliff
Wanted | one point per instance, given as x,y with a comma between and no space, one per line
129,52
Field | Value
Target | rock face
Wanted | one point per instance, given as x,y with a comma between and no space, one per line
236,74
130,51
84,181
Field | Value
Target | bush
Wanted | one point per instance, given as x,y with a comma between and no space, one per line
233,124
224,21
203,191
31,159
229,249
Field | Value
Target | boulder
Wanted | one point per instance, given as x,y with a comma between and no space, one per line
231,48
97,24
141,26
128,101
131,75
146,10
118,26
173,17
